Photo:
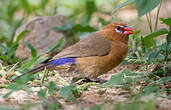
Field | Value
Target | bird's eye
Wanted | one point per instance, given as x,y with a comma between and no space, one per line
118,27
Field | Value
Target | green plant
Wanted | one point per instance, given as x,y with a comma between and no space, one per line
146,48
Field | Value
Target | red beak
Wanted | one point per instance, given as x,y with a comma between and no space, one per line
128,30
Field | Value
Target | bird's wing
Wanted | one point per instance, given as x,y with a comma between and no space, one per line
93,45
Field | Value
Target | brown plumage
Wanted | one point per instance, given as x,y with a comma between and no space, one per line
98,53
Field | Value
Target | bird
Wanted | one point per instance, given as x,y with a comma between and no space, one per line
94,55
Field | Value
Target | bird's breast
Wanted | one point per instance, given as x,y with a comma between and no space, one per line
96,65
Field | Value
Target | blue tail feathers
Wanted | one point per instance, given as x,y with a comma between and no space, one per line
62,61
49,65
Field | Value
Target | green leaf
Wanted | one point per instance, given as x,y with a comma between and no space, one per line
169,48
12,33
8,94
145,6
29,63
115,80
126,76
43,4
118,106
134,105
148,40
164,80
20,36
166,21
11,51
77,28
41,94
75,79
52,88
153,56
150,89
24,79
150,105
97,107
58,44
64,27
90,9
168,38
3,49
21,84
81,28
51,103
33,50
163,47
4,58
26,65
26,6
67,93
123,5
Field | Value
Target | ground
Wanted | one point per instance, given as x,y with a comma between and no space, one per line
94,95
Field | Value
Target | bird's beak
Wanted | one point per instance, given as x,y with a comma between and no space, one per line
128,30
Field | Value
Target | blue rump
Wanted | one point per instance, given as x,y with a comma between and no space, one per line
62,61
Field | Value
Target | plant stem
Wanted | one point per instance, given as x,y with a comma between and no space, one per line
158,11
45,74
149,24
166,53
143,46
151,21
146,69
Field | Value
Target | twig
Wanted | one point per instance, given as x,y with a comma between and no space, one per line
10,72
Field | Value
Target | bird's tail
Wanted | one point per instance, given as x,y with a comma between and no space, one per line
53,63
41,68
50,65
33,71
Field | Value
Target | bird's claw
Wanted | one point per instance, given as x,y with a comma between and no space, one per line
101,81
97,80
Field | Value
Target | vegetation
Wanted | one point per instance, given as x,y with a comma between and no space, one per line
145,50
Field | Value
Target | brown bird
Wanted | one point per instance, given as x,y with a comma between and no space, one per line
95,55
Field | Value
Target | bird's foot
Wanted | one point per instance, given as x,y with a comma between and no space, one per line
87,80
97,80
101,81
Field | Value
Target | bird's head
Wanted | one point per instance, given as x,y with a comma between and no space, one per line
119,29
